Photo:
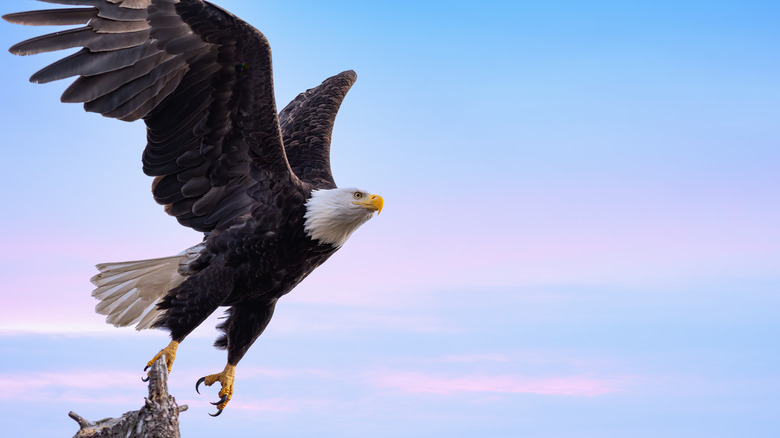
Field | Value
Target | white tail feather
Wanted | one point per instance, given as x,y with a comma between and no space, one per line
129,291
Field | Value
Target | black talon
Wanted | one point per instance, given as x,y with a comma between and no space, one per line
146,367
145,379
221,400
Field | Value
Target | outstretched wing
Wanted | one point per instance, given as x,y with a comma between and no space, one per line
201,80
307,125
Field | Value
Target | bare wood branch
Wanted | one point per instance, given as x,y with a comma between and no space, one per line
159,417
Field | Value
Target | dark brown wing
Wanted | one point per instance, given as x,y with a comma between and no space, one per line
307,125
201,80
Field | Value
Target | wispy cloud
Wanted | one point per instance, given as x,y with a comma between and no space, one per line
469,358
74,386
281,405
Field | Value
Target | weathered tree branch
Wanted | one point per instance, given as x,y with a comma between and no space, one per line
158,418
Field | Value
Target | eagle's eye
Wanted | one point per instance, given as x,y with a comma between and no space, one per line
357,195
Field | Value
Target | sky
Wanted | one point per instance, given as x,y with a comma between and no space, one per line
580,235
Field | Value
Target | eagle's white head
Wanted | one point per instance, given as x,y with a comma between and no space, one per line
332,215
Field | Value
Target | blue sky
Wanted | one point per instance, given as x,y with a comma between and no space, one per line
580,235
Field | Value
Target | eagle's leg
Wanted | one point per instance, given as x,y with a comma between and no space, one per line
244,325
170,355
225,378
188,305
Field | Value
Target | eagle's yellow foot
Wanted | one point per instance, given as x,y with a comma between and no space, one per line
170,356
225,378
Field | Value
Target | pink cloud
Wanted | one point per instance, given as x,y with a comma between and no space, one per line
281,405
71,386
466,358
413,382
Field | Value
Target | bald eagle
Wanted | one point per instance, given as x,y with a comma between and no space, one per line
256,183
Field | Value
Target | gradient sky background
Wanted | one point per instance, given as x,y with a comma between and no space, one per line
580,235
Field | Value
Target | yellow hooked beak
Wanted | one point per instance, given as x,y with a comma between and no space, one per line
373,203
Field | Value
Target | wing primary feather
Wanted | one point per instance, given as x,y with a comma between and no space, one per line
55,41
53,17
80,37
90,88
107,25
108,10
86,63
123,94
